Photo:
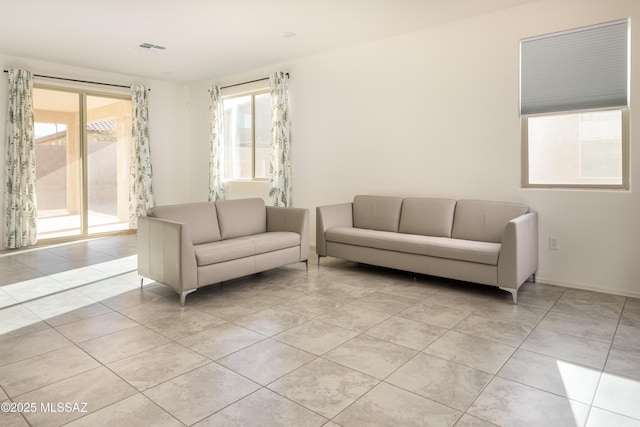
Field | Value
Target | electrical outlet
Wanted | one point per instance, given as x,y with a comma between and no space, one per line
554,243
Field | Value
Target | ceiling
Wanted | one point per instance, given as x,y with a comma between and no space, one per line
205,39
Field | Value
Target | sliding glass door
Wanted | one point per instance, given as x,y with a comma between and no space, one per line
58,173
108,133
82,162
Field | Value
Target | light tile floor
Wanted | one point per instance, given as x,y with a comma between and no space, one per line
340,345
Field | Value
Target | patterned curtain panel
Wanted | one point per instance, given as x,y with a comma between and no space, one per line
140,192
280,161
21,211
216,163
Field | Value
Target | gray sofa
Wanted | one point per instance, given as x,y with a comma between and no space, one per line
192,245
491,243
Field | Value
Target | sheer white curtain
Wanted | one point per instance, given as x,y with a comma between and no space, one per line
21,211
140,192
216,148
280,161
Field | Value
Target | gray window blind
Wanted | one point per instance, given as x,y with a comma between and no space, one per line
575,70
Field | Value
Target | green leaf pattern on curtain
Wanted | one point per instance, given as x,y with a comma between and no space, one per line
280,161
21,213
140,192
216,153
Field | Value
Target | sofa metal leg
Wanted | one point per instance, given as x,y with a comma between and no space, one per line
141,281
183,296
514,294
319,261
533,278
306,264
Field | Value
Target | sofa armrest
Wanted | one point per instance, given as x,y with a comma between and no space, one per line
166,254
518,258
340,215
295,220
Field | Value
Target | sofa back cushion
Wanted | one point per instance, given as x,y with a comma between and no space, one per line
484,221
428,217
201,218
241,217
377,212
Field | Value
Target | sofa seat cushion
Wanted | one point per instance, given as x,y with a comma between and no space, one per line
464,250
224,250
441,247
388,240
241,247
273,241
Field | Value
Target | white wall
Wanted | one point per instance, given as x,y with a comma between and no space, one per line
168,124
199,141
435,113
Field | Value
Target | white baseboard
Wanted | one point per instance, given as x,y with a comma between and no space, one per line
584,287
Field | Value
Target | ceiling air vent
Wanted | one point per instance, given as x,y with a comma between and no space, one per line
150,46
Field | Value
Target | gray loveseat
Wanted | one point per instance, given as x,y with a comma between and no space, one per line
492,243
192,245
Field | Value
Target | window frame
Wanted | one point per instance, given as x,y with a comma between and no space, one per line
524,126
252,94
546,64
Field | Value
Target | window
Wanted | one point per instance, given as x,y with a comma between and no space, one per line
573,106
247,135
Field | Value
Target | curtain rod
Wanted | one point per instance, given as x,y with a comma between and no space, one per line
79,81
246,83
